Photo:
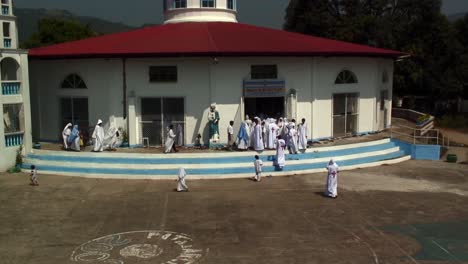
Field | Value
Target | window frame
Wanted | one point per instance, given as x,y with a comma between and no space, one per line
176,4
166,74
231,2
75,83
260,71
202,2
6,25
19,118
346,77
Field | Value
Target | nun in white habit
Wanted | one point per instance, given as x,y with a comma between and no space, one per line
181,185
257,135
272,133
98,137
332,179
302,133
280,161
170,140
292,138
66,132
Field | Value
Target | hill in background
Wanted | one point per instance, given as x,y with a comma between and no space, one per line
28,19
456,16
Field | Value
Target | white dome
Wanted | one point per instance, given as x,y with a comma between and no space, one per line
177,11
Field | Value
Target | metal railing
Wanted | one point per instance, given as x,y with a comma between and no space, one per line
14,139
415,135
11,88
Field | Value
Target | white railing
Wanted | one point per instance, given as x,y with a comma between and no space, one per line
424,122
416,135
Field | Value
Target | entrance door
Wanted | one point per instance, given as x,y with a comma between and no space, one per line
75,110
264,106
157,114
345,114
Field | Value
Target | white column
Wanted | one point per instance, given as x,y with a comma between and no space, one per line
27,138
132,122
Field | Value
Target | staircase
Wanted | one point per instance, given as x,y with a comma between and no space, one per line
210,165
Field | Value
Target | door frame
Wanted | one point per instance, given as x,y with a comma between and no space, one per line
346,113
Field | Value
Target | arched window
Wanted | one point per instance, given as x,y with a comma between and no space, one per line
385,77
346,77
73,81
10,70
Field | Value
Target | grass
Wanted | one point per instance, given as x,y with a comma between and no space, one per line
459,122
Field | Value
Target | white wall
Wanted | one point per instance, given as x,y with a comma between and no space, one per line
202,81
103,79
8,155
368,72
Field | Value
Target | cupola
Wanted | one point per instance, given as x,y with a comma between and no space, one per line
179,11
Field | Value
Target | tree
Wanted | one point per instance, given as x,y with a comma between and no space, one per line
461,31
56,30
414,27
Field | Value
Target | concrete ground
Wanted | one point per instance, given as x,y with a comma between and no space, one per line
413,212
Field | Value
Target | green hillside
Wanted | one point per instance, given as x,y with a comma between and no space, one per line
28,18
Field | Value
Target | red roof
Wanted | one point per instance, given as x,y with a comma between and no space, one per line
206,39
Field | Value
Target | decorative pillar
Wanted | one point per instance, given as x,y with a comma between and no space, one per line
132,122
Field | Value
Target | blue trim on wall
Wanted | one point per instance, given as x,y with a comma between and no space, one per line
211,160
419,152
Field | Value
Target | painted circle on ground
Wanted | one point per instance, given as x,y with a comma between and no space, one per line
151,246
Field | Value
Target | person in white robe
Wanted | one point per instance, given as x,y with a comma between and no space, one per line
170,140
284,131
257,137
74,139
180,135
272,133
258,164
66,132
181,185
98,137
252,129
264,132
280,160
111,138
302,134
292,139
332,179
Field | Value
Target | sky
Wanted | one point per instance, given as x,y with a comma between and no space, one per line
268,13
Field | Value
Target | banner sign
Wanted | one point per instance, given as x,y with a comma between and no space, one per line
264,88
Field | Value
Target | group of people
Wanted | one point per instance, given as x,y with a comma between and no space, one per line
73,139
260,134
332,176
270,133
331,189
103,140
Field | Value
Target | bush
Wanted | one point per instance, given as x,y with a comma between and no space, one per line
453,121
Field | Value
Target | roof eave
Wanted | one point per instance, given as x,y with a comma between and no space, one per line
215,54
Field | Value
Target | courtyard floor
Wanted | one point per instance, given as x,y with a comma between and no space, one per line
413,212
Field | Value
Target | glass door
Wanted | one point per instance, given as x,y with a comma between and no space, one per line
345,114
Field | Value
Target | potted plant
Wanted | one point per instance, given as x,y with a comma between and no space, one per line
198,140
18,161
125,143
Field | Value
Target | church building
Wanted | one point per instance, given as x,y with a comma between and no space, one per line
145,79
15,125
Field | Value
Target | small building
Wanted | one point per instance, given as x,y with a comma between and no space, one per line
15,128
146,79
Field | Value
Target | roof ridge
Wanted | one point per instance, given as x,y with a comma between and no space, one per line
211,37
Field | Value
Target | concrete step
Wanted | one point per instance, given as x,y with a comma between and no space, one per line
210,165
